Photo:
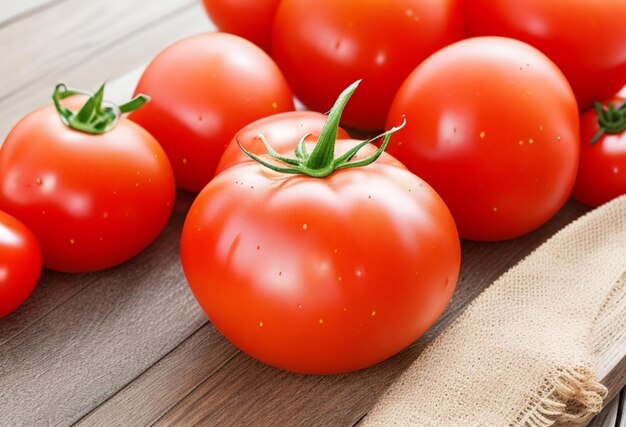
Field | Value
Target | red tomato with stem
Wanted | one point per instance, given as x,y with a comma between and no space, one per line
284,130
492,125
602,168
586,39
323,48
204,89
321,265
94,190
250,19
20,263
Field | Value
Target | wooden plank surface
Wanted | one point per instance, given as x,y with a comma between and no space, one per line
11,11
129,346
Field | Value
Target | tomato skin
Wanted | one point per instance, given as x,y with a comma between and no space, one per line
250,19
602,168
321,275
204,89
20,263
342,41
92,201
586,39
492,125
283,131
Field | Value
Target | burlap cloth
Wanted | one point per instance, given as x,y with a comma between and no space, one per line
528,349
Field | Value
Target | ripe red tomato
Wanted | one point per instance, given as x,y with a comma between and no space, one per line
321,274
204,89
602,168
323,48
250,19
586,39
492,125
20,263
283,131
92,200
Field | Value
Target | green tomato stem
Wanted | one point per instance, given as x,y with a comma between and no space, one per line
96,116
610,120
321,162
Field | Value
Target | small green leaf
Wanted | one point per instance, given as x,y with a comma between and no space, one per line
321,162
93,117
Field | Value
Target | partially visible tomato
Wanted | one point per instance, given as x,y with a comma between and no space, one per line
602,169
321,274
586,39
204,89
93,200
282,131
324,46
20,263
492,125
250,19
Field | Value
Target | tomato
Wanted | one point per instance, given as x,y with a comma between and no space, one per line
321,274
586,39
602,169
336,42
492,125
204,89
20,263
93,200
282,130
250,19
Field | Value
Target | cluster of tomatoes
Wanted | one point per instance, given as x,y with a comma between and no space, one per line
309,250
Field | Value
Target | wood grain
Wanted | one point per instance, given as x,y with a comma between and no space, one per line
13,11
176,375
93,344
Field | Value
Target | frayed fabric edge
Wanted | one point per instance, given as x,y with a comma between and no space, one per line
571,396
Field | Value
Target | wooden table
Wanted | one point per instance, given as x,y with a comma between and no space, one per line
129,345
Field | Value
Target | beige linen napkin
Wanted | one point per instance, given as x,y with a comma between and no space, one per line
527,350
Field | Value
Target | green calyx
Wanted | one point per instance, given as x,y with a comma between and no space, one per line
321,162
610,120
96,116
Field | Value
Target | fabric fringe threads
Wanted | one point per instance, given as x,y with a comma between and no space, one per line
574,397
